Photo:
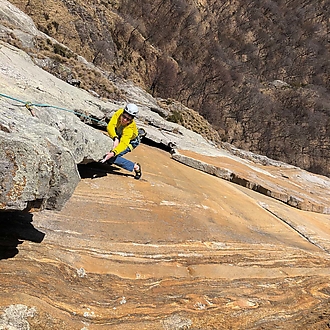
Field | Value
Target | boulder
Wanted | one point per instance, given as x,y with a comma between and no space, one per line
37,170
41,145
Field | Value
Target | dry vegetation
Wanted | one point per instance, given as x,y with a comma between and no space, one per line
190,119
64,64
217,57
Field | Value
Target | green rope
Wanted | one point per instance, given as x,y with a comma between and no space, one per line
28,105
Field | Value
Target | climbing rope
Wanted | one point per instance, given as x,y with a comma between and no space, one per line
29,106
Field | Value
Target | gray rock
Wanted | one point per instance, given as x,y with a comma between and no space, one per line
37,170
41,146
280,84
15,317
11,14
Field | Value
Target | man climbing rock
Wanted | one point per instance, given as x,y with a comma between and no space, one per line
124,132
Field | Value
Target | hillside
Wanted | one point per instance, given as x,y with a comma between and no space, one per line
258,71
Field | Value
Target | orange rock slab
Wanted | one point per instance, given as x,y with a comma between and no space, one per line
178,249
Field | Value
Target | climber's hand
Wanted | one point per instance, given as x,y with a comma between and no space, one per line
107,156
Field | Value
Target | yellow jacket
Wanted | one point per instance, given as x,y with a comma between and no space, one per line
125,134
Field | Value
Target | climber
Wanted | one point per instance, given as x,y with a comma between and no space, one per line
125,135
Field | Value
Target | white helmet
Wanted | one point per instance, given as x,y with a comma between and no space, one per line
131,109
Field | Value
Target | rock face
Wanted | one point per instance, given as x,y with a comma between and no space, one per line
178,249
41,147
42,125
289,184
37,169
209,238
286,118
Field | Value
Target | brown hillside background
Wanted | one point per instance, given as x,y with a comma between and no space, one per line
216,57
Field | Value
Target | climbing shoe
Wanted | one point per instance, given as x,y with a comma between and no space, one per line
138,173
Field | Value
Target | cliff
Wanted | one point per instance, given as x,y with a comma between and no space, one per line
258,71
211,237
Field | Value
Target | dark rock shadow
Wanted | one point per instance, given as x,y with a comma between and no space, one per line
16,227
97,170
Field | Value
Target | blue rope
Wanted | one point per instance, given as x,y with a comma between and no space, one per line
29,104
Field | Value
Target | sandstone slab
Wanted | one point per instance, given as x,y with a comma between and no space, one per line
178,249
291,185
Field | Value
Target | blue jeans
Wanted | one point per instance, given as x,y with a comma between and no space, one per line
121,161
